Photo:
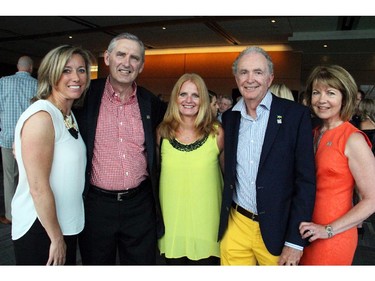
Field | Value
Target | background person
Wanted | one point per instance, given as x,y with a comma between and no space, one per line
282,91
47,207
192,142
366,110
225,103
213,102
343,160
16,92
356,118
118,124
269,176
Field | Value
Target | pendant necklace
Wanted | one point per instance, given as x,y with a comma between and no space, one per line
70,125
68,122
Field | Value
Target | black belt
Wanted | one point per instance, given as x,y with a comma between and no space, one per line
245,212
118,195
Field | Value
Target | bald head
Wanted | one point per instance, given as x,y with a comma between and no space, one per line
25,63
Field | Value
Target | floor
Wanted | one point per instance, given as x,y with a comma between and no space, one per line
365,254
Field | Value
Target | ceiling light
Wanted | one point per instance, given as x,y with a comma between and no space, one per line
221,49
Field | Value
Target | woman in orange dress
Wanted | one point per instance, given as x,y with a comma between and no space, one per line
343,160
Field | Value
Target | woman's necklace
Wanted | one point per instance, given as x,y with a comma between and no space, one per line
68,122
70,125
188,147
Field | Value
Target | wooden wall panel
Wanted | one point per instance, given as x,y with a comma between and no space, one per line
212,65
164,66
162,71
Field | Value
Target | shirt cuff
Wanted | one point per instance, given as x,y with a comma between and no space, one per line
294,246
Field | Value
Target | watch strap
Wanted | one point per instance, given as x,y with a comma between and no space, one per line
329,230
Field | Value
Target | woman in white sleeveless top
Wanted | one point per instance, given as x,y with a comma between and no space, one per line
47,207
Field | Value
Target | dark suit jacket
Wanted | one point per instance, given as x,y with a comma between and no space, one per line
285,184
152,112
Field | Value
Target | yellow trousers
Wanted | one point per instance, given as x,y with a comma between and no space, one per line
242,243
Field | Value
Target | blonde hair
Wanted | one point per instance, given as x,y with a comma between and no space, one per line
204,123
282,91
52,67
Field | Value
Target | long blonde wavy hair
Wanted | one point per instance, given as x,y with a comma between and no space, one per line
204,122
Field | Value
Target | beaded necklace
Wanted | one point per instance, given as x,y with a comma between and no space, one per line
70,125
68,122
188,147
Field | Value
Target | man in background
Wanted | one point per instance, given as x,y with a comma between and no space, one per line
225,103
16,92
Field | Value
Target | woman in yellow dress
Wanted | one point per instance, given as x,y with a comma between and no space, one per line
191,143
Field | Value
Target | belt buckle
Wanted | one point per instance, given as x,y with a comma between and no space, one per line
253,216
120,194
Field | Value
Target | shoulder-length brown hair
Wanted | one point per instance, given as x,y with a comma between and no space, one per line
336,77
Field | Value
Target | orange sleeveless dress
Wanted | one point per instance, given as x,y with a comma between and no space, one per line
334,194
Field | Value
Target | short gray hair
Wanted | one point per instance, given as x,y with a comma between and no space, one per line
128,36
253,49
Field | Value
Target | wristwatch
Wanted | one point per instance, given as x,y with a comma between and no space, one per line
329,230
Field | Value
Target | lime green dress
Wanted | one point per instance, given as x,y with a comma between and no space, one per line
190,195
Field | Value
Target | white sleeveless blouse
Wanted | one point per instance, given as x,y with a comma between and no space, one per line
67,177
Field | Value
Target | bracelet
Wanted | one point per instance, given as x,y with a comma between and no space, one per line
329,230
